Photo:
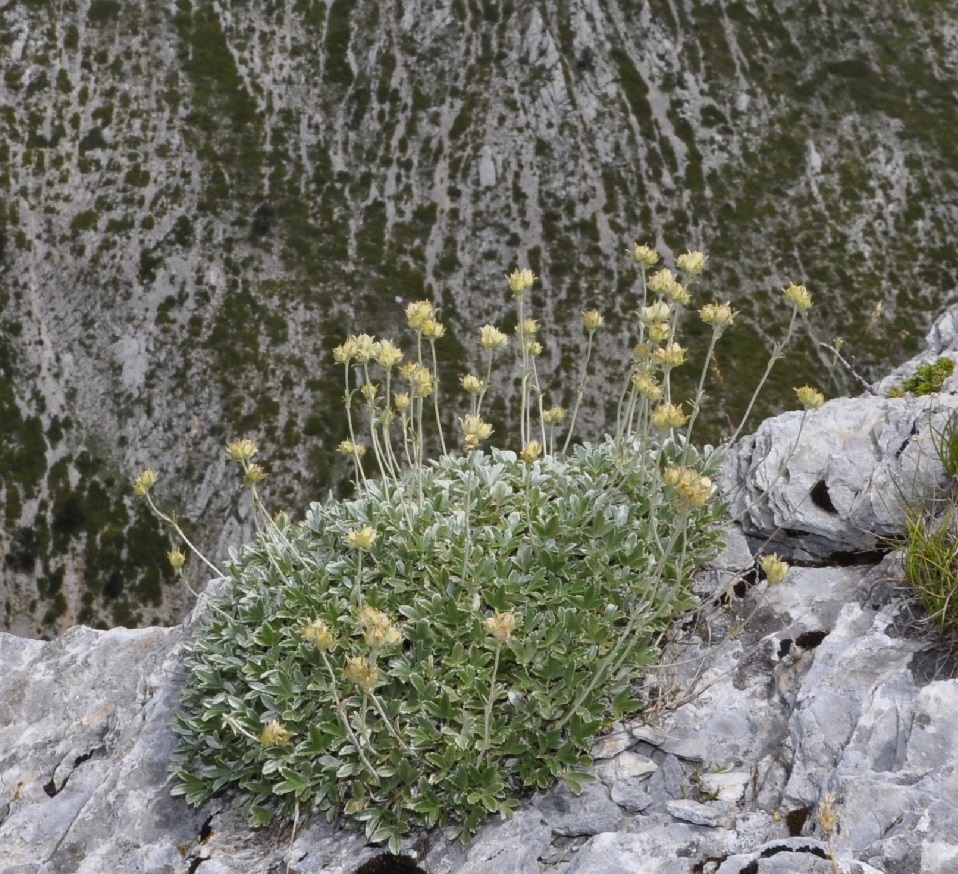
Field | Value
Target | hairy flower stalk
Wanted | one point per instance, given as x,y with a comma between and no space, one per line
592,320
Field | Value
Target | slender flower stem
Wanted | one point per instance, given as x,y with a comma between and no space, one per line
169,520
580,392
388,723
487,716
435,394
345,720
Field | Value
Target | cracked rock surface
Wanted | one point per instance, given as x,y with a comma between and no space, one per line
832,686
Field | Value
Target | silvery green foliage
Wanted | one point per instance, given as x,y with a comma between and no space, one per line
591,553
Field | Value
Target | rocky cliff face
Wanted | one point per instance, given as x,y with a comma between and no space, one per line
199,199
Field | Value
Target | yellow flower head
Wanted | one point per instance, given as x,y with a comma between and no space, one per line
809,397
501,625
144,482
554,415
654,313
472,384
527,327
254,475
718,315
647,387
592,320
360,538
274,734
365,347
490,337
520,280
344,353
418,313
667,415
644,255
347,447
319,633
660,332
533,348
401,401
474,431
370,390
377,629
177,559
799,297
692,263
669,356
774,568
433,330
364,675
532,450
389,355
692,487
419,378
241,450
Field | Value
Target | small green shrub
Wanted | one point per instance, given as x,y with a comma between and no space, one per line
459,631
930,562
926,380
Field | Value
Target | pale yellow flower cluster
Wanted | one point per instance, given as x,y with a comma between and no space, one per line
433,330
692,486
490,337
389,354
654,313
527,328
418,313
274,734
177,559
370,390
664,283
799,297
419,379
592,320
520,280
472,384
531,451
144,482
810,398
692,263
363,674
501,625
554,415
319,633
647,387
378,629
241,450
667,415
254,475
401,401
347,447
360,538
718,315
474,431
669,356
775,569
644,255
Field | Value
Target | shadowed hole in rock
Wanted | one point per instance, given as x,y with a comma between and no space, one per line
810,639
50,788
795,820
821,498
750,868
387,863
784,646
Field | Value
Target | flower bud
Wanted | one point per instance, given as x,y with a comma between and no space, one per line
799,296
774,568
490,337
389,355
401,401
656,312
647,387
692,263
810,398
418,313
670,356
554,415
718,315
527,327
592,320
369,390
520,280
241,450
360,538
472,384
501,625
347,447
274,734
667,415
532,450
659,332
644,255
144,482
177,559
319,633
433,330
254,475
364,675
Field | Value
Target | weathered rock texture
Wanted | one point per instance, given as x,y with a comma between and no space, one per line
832,686
842,478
